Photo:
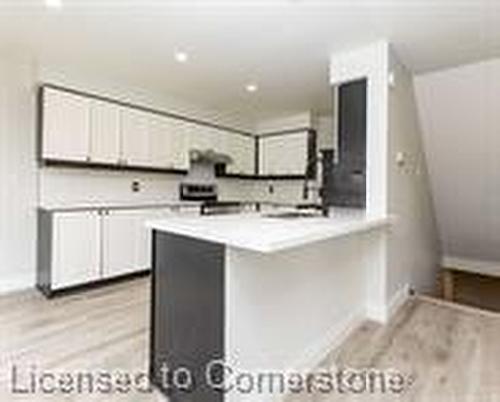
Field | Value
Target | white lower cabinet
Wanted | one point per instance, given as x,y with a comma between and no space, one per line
119,243
76,248
126,242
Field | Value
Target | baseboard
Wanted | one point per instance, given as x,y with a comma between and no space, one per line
377,313
397,301
489,268
333,338
384,313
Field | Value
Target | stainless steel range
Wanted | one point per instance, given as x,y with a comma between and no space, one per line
200,184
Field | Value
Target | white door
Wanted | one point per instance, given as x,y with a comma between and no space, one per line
76,248
135,137
119,240
66,126
104,132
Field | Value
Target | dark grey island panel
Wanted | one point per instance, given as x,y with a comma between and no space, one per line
187,328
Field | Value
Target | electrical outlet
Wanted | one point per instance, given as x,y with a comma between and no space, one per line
136,186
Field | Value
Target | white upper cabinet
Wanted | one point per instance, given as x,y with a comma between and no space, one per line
169,143
105,132
180,144
242,150
135,126
83,129
66,126
161,133
199,138
284,154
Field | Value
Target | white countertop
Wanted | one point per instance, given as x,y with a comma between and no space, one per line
119,206
265,234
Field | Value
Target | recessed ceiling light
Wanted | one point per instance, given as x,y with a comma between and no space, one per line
252,88
181,57
53,3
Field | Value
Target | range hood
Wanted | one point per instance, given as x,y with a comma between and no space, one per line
209,156
200,182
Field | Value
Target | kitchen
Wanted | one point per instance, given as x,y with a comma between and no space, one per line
84,246
169,209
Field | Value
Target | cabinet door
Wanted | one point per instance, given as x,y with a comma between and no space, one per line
135,137
66,126
248,156
76,249
284,154
295,150
180,144
161,142
104,132
209,137
199,138
243,153
119,244
268,155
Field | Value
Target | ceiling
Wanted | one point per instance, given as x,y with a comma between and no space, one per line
283,46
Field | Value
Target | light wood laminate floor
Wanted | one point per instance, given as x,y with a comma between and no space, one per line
449,352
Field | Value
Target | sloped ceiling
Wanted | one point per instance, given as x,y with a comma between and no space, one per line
460,117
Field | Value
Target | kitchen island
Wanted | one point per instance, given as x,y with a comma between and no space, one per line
238,296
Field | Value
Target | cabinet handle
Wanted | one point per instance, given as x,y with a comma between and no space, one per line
88,158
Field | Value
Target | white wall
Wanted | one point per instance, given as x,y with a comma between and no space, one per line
460,114
324,285
64,187
409,253
17,175
370,62
413,244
